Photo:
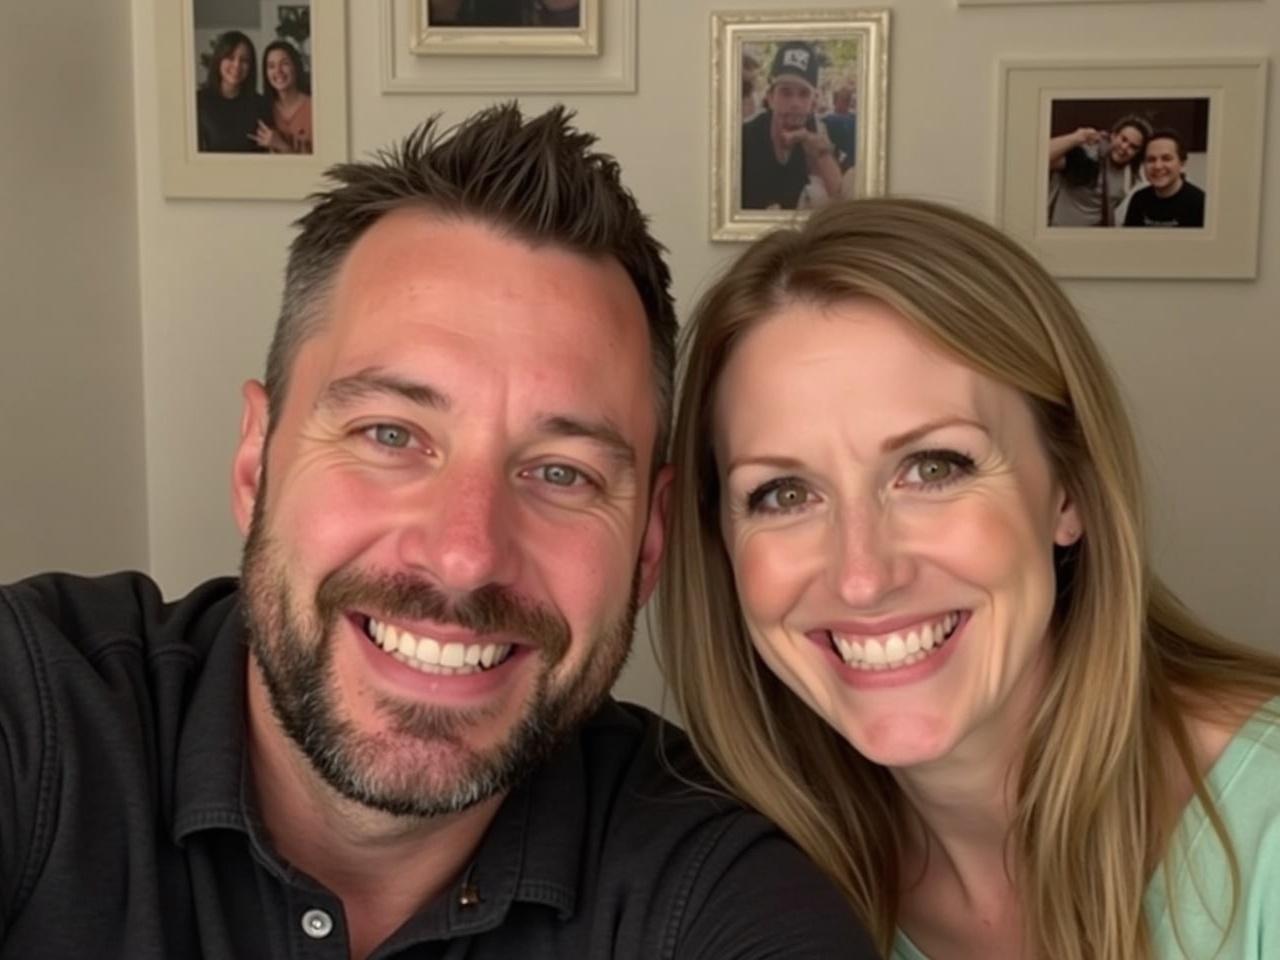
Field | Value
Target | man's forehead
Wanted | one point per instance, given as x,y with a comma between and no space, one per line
796,84
420,281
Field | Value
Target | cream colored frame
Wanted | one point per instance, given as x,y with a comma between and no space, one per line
190,173
728,32
1041,3
613,70
580,41
1227,245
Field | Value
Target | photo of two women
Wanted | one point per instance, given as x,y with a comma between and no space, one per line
246,102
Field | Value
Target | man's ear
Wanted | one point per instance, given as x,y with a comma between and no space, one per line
246,466
655,533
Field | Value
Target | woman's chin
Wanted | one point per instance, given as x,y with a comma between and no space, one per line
901,740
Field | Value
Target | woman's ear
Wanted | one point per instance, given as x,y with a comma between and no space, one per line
1069,528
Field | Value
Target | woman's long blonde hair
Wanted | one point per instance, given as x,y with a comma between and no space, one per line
1094,805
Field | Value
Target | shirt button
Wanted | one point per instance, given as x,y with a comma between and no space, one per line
317,924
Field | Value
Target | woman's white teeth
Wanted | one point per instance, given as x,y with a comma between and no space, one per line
432,656
895,649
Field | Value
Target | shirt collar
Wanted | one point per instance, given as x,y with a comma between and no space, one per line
211,751
530,852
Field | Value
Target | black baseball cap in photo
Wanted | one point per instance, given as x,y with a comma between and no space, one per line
796,58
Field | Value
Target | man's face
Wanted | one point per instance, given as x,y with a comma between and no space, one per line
452,524
791,100
1163,165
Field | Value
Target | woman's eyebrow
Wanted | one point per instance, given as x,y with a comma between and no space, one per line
898,441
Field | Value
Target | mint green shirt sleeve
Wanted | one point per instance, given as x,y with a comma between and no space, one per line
1189,900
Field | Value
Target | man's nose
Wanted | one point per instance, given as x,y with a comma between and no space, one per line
459,531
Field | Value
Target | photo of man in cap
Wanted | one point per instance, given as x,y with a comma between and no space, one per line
788,161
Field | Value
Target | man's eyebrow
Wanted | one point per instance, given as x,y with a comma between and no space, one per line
600,432
911,436
374,382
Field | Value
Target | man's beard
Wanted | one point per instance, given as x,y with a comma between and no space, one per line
295,656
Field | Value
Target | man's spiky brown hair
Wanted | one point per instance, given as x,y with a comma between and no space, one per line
537,179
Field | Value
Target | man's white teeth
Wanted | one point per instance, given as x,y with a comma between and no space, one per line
431,656
895,649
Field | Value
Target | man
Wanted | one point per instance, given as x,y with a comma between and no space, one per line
1092,171
785,152
1169,200
393,739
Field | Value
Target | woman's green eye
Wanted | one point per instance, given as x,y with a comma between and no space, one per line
934,470
779,496
789,495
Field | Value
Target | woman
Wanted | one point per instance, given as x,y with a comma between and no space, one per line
288,93
1093,171
228,108
908,613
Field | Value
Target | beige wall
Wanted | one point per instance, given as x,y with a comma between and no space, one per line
1196,359
71,433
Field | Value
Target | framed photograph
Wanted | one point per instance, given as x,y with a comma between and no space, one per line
1003,3
1134,168
507,27
257,103
798,114
506,46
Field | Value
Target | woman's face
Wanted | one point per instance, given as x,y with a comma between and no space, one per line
1126,143
234,68
890,516
280,72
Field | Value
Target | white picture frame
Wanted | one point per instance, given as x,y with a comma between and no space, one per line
1043,3
515,68
1227,244
742,37
428,39
189,172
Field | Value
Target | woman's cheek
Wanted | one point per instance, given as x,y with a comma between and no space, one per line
768,572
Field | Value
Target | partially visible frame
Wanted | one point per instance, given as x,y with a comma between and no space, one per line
1041,3
1226,246
862,39
524,71
428,39
191,172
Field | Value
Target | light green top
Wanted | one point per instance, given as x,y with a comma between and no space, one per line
1245,786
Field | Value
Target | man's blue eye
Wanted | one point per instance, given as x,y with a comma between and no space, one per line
390,435
560,475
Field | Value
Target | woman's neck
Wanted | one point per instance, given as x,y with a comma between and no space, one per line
965,802
288,99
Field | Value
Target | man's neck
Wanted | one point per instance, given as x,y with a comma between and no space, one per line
383,867
1169,191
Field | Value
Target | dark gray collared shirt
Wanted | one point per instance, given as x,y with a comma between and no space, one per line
127,828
